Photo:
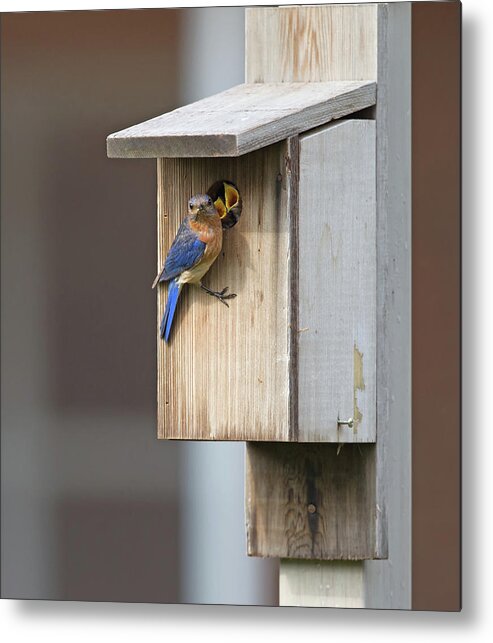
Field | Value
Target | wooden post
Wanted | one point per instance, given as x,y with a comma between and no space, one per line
351,42
314,583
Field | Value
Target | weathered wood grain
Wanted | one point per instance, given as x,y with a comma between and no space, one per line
296,350
311,501
316,583
307,44
224,375
337,283
311,43
242,119
291,202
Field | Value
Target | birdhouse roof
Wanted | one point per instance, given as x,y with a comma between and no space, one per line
242,119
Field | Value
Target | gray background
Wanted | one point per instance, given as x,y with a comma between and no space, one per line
93,506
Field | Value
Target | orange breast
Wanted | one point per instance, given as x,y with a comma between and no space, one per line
209,232
212,235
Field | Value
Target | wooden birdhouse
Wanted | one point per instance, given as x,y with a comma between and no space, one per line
293,357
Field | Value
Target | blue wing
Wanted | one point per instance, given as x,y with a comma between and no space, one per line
184,253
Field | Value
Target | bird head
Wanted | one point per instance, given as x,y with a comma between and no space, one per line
227,201
201,204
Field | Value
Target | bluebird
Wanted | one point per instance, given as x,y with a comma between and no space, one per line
195,248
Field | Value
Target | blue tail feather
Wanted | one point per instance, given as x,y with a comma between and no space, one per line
174,290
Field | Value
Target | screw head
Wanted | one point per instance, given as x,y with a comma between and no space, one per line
349,423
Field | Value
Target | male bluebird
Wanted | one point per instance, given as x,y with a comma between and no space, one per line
194,250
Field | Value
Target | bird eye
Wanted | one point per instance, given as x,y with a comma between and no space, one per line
190,204
209,200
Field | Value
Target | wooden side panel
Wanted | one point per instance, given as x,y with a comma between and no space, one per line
337,283
311,501
311,43
224,375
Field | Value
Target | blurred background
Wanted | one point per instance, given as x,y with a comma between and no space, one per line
93,507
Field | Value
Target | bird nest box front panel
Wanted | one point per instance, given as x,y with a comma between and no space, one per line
224,374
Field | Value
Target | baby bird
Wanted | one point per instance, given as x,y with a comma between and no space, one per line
195,248
227,201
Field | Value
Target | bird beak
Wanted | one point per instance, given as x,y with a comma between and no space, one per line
231,195
220,207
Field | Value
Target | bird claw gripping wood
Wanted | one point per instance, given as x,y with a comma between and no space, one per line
221,295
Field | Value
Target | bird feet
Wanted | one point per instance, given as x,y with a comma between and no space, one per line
221,295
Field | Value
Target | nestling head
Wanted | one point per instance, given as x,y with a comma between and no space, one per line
227,201
201,204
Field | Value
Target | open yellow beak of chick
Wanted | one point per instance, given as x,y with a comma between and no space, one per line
227,201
